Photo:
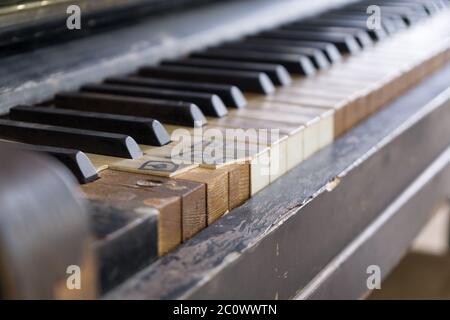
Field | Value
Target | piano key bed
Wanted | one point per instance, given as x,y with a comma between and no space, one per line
308,83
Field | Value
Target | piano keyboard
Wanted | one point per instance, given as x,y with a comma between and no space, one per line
306,82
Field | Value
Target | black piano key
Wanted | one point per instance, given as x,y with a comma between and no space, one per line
425,9
409,16
390,23
328,49
170,112
143,130
294,63
346,44
74,160
245,80
316,56
277,73
230,95
431,7
409,7
210,104
360,35
439,4
443,4
376,34
104,143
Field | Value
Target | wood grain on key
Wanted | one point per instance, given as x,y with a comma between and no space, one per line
169,207
217,201
193,195
217,184
237,166
238,184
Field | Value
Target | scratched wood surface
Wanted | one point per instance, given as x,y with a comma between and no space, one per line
238,184
168,206
125,241
217,196
193,195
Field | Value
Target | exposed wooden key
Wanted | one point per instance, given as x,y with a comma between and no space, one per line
230,95
210,104
245,80
143,130
239,184
110,144
216,180
144,202
276,72
216,176
126,238
193,195
264,156
216,190
180,113
222,152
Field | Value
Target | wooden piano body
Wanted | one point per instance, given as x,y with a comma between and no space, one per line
312,233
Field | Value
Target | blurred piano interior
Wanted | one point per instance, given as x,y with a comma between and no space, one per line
93,205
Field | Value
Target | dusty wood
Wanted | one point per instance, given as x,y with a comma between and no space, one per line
193,195
125,240
236,165
244,144
216,190
169,207
238,184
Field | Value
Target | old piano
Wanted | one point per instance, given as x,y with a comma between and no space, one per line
192,149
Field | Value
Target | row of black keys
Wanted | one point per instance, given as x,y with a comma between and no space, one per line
111,118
